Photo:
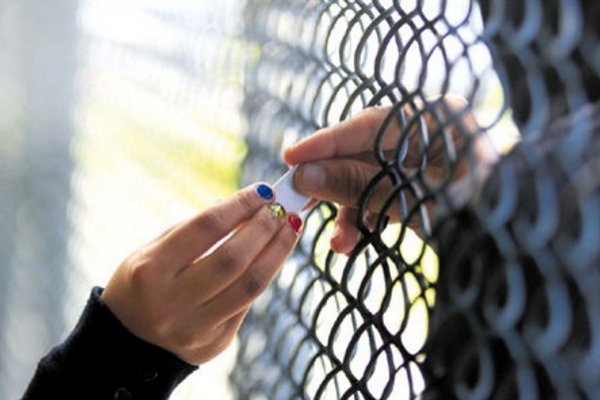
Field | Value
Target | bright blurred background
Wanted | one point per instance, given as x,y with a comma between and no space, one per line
117,120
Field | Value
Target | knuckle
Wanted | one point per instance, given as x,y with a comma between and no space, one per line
141,269
209,220
289,239
286,239
229,260
265,220
247,200
254,285
352,182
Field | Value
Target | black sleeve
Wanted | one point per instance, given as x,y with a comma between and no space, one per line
101,359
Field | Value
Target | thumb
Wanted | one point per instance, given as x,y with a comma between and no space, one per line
338,180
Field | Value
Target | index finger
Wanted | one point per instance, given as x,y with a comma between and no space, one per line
350,137
190,240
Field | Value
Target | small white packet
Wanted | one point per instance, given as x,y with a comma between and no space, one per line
287,195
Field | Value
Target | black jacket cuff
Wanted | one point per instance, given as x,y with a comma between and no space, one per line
101,359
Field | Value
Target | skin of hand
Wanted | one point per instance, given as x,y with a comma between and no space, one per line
337,162
189,290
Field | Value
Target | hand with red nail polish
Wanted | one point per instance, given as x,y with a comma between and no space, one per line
337,163
188,297
295,222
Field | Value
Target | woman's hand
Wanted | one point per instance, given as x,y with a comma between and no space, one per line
338,162
189,290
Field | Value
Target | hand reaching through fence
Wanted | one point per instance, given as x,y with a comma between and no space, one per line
435,144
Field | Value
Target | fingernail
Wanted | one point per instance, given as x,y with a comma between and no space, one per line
264,191
295,222
277,210
312,177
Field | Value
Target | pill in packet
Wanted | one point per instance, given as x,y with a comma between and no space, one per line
287,195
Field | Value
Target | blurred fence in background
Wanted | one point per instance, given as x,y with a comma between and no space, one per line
37,63
119,118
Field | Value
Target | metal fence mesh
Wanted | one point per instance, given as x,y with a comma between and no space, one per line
509,308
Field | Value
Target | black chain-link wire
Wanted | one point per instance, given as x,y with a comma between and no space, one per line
517,297
509,310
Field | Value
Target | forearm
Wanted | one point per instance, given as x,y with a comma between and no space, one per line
101,359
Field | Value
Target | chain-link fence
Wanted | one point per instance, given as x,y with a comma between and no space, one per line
473,277
508,309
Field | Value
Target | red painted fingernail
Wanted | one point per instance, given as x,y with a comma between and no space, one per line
295,222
